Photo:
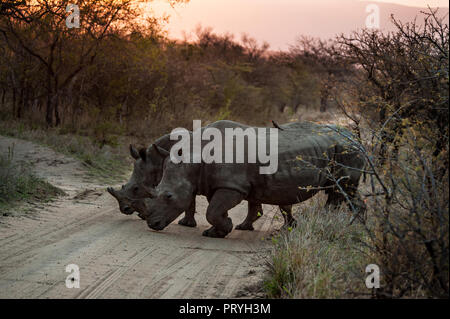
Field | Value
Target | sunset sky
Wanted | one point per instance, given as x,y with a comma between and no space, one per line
280,22
419,3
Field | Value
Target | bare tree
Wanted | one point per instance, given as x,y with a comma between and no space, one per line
399,101
39,29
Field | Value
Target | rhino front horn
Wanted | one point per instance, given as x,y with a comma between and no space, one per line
162,152
111,191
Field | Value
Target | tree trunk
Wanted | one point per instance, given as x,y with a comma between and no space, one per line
3,97
20,104
52,113
56,108
324,93
323,103
50,109
14,101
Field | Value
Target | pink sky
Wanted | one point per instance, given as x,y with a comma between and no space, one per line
419,3
280,22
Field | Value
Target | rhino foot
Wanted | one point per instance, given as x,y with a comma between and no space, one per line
189,222
214,232
245,226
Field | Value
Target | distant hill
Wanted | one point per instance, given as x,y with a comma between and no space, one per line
280,22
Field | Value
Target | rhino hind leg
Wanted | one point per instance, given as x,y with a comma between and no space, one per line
360,207
335,199
289,220
255,211
217,212
188,219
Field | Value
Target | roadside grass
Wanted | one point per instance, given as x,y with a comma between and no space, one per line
18,184
103,163
323,257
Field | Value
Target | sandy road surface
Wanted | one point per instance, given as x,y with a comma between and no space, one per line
118,255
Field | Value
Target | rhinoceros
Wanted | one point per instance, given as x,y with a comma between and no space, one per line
323,159
148,170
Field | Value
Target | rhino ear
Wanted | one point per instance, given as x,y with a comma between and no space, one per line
162,152
133,152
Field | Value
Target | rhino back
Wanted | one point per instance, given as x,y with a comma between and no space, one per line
301,158
304,150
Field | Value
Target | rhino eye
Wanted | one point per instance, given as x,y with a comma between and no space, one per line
168,195
135,189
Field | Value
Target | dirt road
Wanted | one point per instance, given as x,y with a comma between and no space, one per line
118,256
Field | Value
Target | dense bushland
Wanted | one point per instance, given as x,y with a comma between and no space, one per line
403,103
397,98
120,75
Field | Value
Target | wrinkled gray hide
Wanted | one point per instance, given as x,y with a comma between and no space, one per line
310,156
147,172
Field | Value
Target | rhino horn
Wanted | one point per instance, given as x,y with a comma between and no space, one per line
162,152
112,191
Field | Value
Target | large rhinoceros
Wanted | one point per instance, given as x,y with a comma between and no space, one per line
148,170
323,159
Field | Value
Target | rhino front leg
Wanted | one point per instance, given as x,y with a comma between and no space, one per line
217,212
286,211
188,219
255,211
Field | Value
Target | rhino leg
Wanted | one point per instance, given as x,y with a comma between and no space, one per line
188,219
335,199
217,212
255,211
286,211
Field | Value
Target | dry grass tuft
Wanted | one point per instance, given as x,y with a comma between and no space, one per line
321,258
